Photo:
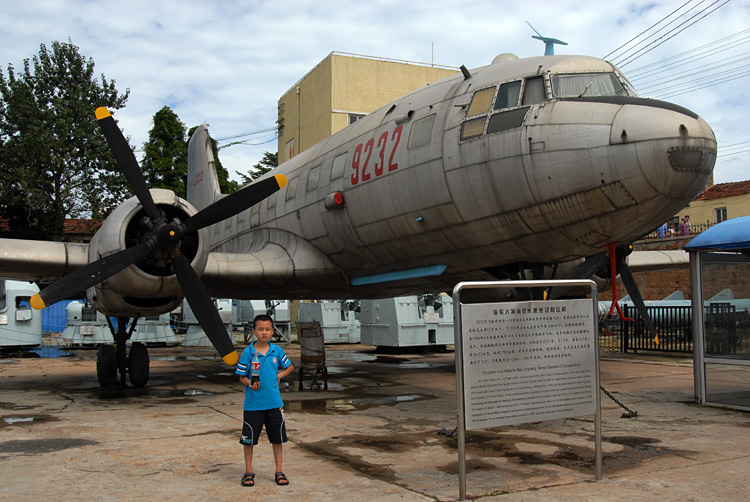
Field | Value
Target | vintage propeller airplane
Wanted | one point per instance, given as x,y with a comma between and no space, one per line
521,165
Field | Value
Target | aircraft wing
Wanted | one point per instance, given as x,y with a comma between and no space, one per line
652,261
40,260
276,263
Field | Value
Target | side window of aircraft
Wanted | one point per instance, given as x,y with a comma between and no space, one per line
312,179
508,95
421,131
338,167
291,189
272,200
586,84
506,120
533,92
481,102
472,128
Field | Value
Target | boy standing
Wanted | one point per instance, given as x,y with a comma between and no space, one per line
263,403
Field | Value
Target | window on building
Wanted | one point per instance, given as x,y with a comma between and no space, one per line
289,147
353,117
533,92
421,131
507,96
481,102
720,214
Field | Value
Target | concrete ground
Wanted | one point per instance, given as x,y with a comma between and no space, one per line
380,432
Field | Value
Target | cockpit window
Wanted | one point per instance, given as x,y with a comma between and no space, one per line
481,102
586,84
508,95
533,92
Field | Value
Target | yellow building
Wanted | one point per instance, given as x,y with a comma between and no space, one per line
718,203
340,90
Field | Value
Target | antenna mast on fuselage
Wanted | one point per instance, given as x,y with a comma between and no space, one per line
549,43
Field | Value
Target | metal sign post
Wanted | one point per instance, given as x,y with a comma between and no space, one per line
525,361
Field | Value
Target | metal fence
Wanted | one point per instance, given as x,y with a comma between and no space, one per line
727,331
673,328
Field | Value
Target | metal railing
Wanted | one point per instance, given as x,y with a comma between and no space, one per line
676,231
673,330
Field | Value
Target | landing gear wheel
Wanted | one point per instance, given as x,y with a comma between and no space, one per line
138,363
106,366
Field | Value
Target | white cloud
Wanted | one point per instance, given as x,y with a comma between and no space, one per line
227,63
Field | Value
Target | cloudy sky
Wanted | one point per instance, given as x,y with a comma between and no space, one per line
227,63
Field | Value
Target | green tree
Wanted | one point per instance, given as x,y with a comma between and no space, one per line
267,163
225,184
165,160
54,161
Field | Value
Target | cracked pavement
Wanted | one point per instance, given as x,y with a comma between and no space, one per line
380,432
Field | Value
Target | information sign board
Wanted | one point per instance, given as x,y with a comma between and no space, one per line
528,362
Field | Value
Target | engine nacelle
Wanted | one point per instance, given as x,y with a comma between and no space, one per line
150,286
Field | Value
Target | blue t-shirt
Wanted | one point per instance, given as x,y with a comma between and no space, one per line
268,396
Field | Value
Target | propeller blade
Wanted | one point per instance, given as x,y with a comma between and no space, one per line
204,309
626,275
235,203
88,276
583,270
126,161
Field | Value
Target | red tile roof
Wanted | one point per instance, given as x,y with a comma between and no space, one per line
725,190
72,226
81,226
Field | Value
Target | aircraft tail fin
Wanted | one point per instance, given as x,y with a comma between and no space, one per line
202,181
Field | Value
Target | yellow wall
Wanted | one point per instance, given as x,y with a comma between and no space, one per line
703,211
340,85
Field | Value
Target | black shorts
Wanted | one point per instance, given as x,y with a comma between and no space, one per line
253,422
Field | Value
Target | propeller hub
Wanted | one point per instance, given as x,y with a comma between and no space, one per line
169,235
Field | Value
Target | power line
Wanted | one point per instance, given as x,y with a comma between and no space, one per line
643,51
660,83
692,55
242,135
245,142
647,29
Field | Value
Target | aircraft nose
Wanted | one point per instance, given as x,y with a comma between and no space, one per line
673,147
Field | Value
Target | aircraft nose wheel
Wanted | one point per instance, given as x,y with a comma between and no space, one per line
113,358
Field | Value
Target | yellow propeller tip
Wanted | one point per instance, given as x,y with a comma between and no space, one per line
281,180
102,113
37,302
231,358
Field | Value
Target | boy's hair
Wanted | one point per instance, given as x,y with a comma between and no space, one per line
262,317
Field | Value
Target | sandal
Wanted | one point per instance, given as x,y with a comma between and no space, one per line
281,479
248,479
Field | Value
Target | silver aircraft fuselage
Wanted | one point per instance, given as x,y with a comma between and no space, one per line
524,162
438,188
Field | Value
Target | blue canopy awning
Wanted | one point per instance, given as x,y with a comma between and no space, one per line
729,235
